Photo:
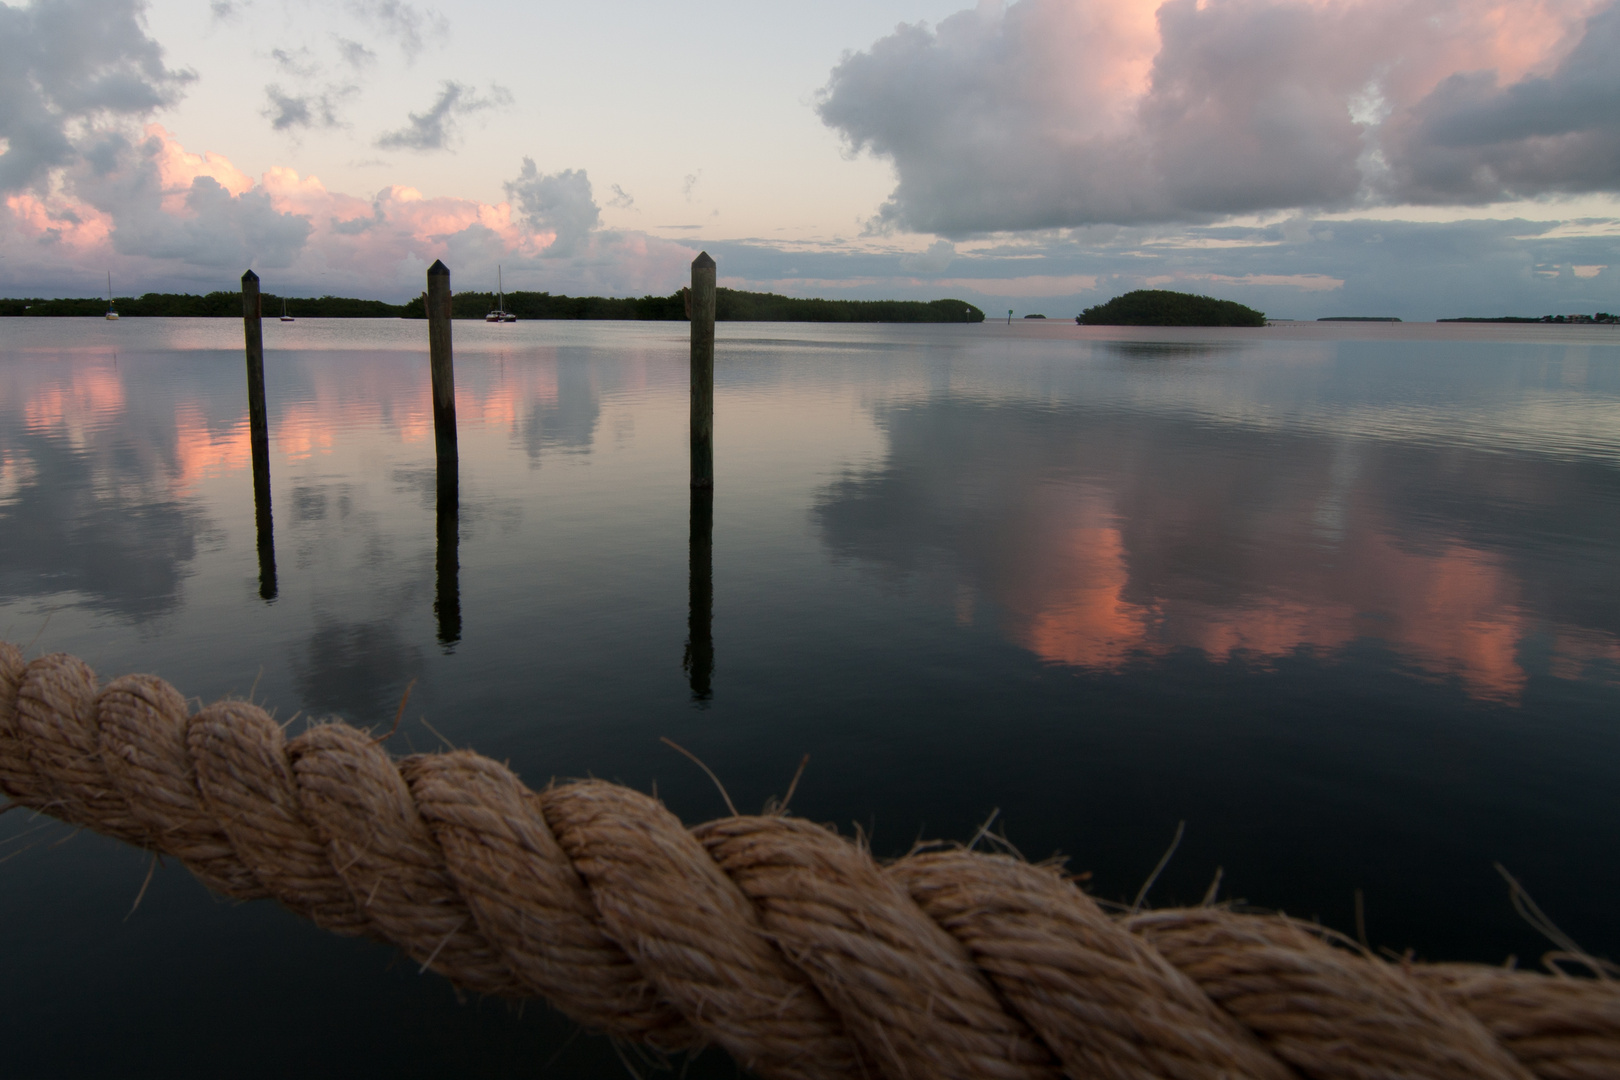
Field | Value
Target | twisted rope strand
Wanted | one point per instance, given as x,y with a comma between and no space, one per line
1106,1003
907,990
1554,1026
1328,1012
775,938
527,898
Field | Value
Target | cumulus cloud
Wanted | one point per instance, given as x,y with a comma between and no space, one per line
67,66
160,203
436,128
559,203
164,219
1061,113
1475,140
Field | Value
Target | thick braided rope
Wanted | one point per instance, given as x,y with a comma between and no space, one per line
785,944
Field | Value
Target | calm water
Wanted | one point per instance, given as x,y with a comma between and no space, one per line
1344,599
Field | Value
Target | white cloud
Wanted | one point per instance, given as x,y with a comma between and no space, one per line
67,66
207,216
559,203
1472,140
164,219
1054,113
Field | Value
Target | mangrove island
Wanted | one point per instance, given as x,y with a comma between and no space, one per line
1160,307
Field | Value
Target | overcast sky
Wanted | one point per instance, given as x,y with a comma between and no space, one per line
1419,158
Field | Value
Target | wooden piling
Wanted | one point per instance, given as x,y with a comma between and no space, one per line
439,358
259,433
699,660
253,332
702,314
447,551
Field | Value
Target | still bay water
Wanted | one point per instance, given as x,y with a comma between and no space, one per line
1344,599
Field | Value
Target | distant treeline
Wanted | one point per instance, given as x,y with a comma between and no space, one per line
731,305
214,305
1600,317
1161,307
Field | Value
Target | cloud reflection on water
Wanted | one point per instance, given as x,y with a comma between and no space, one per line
93,483
103,466
1102,541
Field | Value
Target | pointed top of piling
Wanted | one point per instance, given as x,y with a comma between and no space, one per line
703,260
250,276
438,269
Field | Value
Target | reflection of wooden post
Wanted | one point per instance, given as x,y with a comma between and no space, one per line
699,662
444,372
265,528
259,433
702,313
447,559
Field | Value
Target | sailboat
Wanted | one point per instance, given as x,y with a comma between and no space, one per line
500,314
112,314
284,316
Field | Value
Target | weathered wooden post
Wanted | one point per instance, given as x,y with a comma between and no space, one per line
447,555
699,660
702,301
444,372
253,331
259,434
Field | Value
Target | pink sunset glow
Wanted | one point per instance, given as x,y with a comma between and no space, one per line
386,239
1080,144
1060,113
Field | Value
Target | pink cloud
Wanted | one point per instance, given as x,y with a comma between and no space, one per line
165,218
1053,113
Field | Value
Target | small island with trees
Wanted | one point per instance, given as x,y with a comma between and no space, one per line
1161,307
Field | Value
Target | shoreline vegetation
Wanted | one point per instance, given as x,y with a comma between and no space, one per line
1161,307
731,305
1600,317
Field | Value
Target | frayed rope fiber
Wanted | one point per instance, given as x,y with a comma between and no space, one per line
775,938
